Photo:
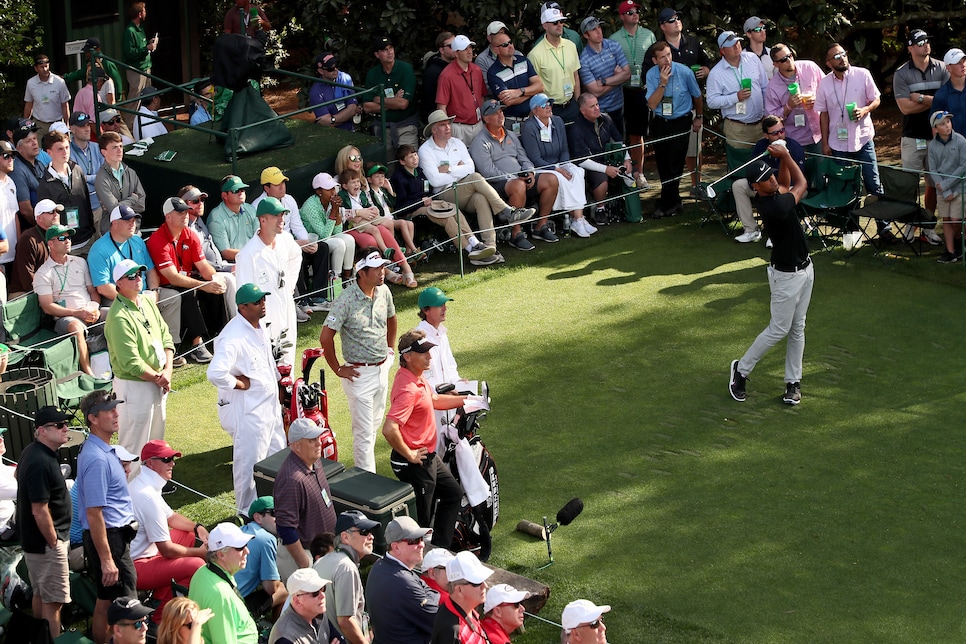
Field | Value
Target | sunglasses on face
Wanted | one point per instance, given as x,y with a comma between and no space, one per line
414,542
135,276
355,157
557,22
194,202
757,30
922,43
62,238
841,55
777,132
786,58
164,459
670,20
505,45
115,121
59,425
138,624
470,583
8,155
596,623
315,594
239,191
630,12
364,533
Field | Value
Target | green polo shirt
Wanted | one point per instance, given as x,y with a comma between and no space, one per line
229,230
232,623
133,337
135,49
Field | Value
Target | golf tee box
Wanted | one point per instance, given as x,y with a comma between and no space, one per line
379,497
266,470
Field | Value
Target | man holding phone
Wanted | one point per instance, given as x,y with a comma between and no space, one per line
137,53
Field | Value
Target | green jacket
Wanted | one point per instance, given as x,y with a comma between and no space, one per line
136,52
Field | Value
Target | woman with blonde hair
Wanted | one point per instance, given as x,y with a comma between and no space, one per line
181,622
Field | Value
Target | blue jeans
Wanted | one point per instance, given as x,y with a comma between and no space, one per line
870,166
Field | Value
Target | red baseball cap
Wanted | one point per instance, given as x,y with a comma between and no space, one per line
158,449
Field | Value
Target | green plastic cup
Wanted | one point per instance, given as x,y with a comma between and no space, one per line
745,83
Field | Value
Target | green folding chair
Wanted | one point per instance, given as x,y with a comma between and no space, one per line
834,191
721,206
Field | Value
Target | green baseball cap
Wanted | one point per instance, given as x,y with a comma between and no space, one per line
432,296
270,206
261,504
248,293
57,230
232,183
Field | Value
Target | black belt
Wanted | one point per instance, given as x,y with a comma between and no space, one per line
728,118
795,268
687,116
562,104
367,364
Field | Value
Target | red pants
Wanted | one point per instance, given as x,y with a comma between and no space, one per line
156,573
366,239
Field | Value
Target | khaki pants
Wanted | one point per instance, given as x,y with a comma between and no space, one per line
457,229
135,83
742,136
475,195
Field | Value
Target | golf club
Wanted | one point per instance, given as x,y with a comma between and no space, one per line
708,190
552,623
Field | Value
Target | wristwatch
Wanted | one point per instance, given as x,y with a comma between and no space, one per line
921,97
333,120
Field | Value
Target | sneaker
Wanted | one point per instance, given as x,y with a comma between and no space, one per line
600,217
545,234
178,361
481,251
749,237
588,226
658,213
578,228
674,210
322,305
736,383
300,314
642,182
495,258
200,354
908,233
793,393
948,258
520,242
929,236
627,177
886,238
517,215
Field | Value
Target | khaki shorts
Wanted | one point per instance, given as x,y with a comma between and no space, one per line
49,574
950,210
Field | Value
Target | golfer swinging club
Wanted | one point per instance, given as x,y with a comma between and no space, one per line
790,274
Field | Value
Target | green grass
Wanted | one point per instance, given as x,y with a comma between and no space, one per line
706,519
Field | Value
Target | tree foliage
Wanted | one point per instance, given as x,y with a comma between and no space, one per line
20,36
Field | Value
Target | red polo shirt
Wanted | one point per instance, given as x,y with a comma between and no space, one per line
411,405
461,92
182,254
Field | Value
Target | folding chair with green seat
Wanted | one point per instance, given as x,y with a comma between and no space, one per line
33,343
834,190
722,204
899,204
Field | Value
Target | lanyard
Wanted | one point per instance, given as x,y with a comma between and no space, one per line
845,95
738,74
631,46
468,79
119,248
562,61
63,280
144,318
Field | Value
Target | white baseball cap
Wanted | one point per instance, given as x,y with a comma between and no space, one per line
466,567
580,612
494,28
227,535
437,558
503,594
460,43
46,205
305,580
372,260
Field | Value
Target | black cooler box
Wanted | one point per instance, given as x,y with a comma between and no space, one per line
266,470
379,497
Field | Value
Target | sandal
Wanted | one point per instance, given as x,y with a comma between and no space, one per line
393,277
409,280
388,253
417,256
